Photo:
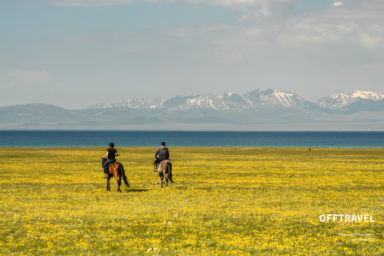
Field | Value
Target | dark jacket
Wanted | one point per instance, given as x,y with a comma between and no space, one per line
162,153
111,153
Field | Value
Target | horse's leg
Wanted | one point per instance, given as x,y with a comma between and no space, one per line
166,178
117,179
119,182
162,179
168,172
109,178
108,184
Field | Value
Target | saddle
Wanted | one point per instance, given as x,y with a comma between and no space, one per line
157,166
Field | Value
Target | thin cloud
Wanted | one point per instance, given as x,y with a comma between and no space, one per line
264,6
88,3
249,8
336,4
229,3
28,76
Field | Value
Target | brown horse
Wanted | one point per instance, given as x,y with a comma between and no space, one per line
165,172
115,170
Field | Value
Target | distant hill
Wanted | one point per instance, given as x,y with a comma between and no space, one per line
256,110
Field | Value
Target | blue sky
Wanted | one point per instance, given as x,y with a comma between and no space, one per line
76,53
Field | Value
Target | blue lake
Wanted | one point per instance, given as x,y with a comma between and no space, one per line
191,138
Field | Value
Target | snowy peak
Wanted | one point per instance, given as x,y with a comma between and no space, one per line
135,103
234,100
335,101
130,103
368,95
278,97
194,102
275,98
225,101
207,102
340,100
340,96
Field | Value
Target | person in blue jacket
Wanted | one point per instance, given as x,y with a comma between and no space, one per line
162,153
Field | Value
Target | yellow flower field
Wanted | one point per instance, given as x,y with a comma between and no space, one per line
225,201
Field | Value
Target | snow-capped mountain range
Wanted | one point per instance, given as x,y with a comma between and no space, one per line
253,99
255,110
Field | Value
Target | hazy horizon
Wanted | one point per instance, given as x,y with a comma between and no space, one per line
77,53
158,101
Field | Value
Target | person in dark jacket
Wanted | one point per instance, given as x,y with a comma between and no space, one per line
110,156
162,153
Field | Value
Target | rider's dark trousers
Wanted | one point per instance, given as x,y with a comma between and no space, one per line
106,164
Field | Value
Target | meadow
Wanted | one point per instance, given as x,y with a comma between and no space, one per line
225,201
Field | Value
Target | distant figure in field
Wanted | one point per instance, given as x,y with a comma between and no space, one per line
163,165
110,156
310,149
162,153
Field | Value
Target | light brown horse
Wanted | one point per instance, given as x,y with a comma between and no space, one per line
165,172
116,170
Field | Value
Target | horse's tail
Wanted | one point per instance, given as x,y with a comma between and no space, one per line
169,166
122,173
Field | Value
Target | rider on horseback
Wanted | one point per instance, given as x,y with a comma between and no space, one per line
162,153
110,155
